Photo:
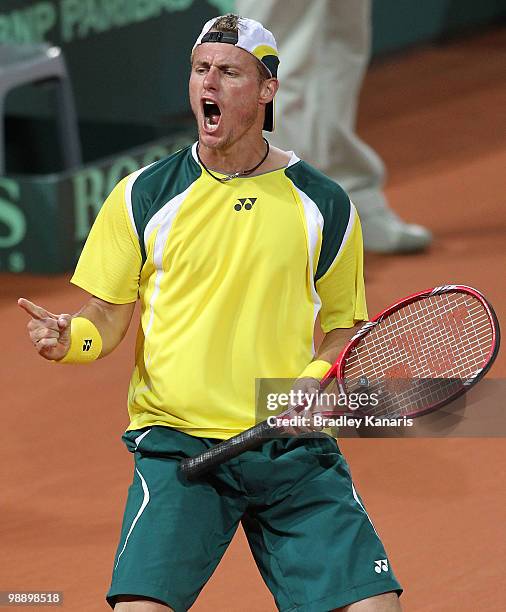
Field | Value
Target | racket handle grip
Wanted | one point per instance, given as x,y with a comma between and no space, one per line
193,467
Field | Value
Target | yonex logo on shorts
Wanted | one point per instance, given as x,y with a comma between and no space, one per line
246,203
87,344
381,566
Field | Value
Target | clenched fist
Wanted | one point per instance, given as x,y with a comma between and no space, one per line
50,333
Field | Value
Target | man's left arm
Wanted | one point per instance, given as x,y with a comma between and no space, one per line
343,305
333,343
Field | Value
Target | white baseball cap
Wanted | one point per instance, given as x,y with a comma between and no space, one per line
253,38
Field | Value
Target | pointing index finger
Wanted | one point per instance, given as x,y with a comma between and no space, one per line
36,312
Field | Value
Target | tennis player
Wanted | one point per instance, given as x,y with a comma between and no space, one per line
232,247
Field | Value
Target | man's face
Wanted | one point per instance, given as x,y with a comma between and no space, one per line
226,95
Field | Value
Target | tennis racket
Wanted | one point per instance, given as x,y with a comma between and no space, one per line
417,355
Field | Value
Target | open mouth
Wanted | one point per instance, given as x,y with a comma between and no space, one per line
212,115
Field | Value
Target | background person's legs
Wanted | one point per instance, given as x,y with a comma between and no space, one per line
324,47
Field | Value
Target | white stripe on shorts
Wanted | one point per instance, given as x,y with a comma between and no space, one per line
145,502
357,499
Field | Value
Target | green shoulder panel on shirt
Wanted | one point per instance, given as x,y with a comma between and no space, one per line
160,183
333,204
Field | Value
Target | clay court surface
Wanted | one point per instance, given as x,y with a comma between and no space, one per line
436,115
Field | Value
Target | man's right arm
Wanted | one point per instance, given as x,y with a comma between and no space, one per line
50,333
109,270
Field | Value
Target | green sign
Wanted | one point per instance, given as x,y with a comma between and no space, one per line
44,220
70,20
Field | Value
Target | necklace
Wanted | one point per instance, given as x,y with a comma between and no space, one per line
229,177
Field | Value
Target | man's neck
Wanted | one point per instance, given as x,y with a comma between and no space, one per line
240,159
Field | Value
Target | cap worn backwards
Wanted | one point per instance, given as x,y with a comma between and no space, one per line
253,38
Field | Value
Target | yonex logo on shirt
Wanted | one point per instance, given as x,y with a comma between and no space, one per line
87,345
246,203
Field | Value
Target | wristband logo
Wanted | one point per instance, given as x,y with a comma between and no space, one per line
87,344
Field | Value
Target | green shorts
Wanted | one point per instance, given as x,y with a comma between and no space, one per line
309,533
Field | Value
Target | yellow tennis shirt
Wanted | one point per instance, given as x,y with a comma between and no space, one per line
230,277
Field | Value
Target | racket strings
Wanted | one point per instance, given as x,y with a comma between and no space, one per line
421,354
380,348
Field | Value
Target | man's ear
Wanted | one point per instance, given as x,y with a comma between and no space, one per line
268,90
